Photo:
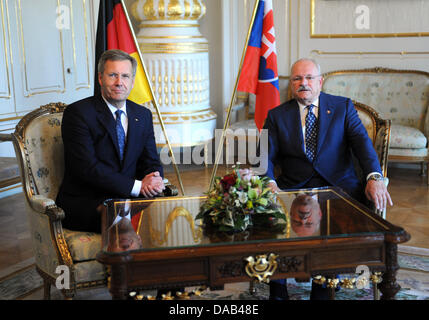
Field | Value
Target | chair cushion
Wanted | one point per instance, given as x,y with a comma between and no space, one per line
420,153
83,246
405,137
89,271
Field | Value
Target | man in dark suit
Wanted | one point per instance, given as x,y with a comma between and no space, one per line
109,147
312,138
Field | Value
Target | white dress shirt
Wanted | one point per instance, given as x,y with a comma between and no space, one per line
135,192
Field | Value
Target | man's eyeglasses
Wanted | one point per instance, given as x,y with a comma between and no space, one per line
308,78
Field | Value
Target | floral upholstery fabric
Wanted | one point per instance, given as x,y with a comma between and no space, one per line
381,146
44,253
44,145
407,137
368,123
83,246
402,97
89,270
418,153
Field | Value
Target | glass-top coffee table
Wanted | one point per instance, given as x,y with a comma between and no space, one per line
155,244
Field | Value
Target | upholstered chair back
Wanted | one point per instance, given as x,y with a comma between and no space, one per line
399,95
39,149
45,153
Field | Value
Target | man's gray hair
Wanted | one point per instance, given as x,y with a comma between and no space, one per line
116,55
307,59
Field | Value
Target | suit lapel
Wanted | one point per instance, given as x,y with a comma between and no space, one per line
105,117
293,120
132,132
326,112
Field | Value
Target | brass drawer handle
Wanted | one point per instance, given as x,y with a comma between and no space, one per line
262,267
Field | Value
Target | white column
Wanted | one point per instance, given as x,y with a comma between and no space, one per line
177,60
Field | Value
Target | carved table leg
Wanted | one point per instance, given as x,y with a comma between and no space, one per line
252,289
389,287
118,282
331,293
46,290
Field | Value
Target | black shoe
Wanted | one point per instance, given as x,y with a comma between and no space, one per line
318,292
278,291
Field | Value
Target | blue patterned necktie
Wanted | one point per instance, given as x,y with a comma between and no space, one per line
120,133
310,133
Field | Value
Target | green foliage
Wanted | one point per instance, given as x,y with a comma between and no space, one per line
241,200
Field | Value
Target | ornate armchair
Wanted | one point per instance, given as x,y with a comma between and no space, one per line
399,95
39,150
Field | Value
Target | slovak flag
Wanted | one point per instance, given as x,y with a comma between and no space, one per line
259,71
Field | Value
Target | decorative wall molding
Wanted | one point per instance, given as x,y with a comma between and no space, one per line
5,66
361,53
30,48
368,19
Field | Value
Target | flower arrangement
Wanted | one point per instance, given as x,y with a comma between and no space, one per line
241,200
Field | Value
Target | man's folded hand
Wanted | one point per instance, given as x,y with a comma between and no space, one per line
152,185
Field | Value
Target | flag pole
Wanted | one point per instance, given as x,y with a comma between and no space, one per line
155,104
234,94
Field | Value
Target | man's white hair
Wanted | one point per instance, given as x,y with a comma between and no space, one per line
307,59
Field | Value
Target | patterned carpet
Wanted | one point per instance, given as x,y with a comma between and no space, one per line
413,277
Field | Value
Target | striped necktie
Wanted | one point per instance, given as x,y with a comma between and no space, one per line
310,133
120,133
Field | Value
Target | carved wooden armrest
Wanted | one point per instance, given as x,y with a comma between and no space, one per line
45,205
5,137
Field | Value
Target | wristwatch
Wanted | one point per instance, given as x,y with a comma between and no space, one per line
376,177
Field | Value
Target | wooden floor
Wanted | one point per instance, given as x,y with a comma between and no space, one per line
409,191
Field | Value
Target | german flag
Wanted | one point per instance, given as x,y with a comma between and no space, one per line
114,32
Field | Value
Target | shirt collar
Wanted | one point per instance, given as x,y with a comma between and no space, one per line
113,109
314,103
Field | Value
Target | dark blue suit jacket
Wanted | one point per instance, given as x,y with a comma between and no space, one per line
340,132
93,170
